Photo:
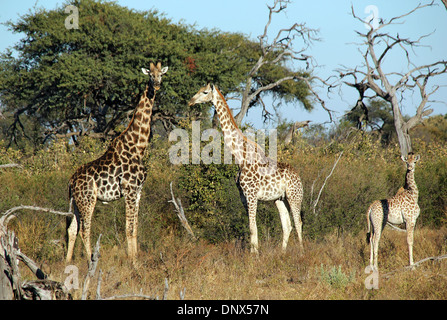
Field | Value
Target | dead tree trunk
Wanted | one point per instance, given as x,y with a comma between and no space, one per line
378,44
11,285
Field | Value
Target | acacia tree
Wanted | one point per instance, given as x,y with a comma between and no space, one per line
61,82
372,76
86,81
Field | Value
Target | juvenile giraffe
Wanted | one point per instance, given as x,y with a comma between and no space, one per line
402,208
118,172
260,178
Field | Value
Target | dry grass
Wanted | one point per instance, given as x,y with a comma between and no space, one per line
329,268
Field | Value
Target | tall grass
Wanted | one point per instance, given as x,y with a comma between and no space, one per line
219,265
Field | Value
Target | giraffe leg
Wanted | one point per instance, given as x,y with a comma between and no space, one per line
294,198
132,206
252,205
371,245
376,222
85,219
285,222
370,236
410,235
72,232
375,246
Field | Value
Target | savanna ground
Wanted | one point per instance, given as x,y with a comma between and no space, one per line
219,265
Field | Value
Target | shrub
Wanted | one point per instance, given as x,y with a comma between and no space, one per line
335,277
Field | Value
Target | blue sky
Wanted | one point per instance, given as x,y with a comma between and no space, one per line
332,18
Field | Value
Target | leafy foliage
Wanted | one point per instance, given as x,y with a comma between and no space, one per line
87,80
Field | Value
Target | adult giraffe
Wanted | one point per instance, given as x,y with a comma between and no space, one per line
260,178
118,172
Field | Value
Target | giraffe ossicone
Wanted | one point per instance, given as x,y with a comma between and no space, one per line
119,172
260,177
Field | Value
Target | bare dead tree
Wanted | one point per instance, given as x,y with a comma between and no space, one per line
275,51
371,75
11,284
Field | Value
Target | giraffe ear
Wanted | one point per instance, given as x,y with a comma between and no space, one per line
404,158
416,158
145,71
164,70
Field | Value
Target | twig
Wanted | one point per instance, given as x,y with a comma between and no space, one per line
416,264
181,213
9,214
182,294
98,286
11,165
130,295
396,228
91,269
166,290
324,183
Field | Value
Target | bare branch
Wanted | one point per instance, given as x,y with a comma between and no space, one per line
275,51
9,214
324,183
395,227
181,213
10,165
130,295
376,79
93,263
307,81
415,265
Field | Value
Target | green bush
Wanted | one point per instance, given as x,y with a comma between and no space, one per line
211,198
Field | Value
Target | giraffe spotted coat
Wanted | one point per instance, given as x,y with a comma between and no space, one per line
402,208
260,178
119,172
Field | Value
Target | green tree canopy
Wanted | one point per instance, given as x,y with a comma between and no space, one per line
86,81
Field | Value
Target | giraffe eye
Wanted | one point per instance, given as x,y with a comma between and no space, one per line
205,92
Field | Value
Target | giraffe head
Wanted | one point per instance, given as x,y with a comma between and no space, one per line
155,72
205,94
411,160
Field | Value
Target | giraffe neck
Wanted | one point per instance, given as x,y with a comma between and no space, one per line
410,182
139,128
243,150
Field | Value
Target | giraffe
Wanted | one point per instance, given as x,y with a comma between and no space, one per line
260,178
118,172
403,207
